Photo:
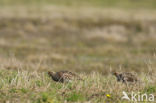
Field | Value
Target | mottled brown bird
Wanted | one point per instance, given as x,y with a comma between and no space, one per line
125,77
63,76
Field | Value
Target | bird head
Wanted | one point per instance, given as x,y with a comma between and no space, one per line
118,76
115,73
51,73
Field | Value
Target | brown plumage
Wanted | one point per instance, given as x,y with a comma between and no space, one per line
63,76
125,77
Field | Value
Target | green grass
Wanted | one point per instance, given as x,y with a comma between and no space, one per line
74,97
24,89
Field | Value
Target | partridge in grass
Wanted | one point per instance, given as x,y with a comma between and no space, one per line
63,76
125,77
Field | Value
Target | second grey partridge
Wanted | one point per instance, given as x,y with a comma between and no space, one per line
125,77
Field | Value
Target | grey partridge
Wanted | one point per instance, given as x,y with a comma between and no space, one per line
125,77
63,76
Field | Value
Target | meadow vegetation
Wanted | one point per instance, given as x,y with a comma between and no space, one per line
93,40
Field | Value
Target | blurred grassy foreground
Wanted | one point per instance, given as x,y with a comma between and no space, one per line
90,37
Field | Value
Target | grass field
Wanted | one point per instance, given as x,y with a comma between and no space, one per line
90,38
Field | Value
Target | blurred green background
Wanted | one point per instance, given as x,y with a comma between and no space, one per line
80,35
98,3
